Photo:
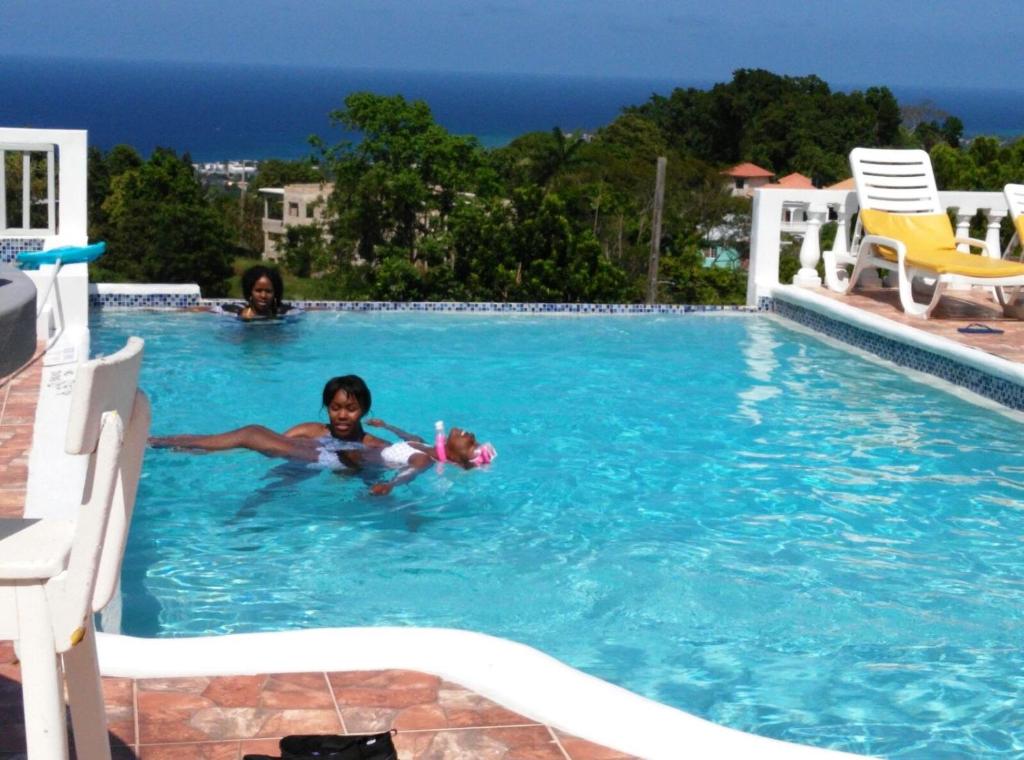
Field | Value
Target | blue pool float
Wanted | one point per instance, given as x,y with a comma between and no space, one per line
69,254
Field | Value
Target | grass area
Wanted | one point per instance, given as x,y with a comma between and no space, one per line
295,288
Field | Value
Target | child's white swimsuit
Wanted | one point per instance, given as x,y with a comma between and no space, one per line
398,454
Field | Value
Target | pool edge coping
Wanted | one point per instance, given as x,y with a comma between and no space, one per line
517,676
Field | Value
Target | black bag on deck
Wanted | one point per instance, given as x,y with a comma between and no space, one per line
335,747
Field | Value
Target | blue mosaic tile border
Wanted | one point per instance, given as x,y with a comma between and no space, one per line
501,308
11,247
143,301
997,389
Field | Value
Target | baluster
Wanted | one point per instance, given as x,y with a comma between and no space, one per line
963,229
810,249
995,218
840,246
838,257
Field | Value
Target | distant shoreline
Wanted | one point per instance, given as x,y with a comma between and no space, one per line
216,112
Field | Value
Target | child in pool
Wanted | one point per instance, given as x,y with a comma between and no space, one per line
409,456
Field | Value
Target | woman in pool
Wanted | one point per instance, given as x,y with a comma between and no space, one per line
347,400
263,291
409,457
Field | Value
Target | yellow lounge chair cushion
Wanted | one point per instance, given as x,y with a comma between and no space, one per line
1018,222
931,245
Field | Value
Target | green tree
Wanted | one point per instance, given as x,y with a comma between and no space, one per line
783,123
160,227
399,183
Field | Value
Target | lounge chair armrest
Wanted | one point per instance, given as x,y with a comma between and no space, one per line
894,243
975,243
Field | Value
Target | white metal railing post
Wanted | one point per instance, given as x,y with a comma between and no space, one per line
810,249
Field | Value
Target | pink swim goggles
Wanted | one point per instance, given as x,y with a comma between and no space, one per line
485,453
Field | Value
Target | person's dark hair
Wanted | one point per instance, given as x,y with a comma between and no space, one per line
353,385
252,274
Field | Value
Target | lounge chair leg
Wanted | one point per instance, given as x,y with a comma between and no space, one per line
858,268
45,730
85,697
836,277
906,286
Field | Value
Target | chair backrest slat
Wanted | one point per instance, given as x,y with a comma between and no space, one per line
897,181
1015,199
102,385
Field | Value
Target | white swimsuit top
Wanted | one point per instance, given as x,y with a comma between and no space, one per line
397,455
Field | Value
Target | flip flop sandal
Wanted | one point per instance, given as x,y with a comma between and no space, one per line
976,328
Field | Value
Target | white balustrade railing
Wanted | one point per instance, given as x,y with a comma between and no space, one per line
768,225
66,157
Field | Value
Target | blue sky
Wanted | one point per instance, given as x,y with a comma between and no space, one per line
896,42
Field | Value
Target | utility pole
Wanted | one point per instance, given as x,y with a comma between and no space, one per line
659,202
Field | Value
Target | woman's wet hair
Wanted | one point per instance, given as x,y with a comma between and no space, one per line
353,386
251,275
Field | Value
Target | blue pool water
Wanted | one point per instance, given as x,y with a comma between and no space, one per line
716,512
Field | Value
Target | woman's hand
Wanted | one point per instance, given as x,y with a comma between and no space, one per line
375,422
380,489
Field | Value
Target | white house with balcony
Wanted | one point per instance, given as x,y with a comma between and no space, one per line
297,205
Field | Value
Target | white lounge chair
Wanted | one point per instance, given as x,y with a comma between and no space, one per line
908,231
1015,202
54,574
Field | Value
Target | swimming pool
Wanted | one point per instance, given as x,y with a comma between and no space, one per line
717,512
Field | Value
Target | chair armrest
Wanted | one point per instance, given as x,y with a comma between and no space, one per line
894,243
34,549
975,243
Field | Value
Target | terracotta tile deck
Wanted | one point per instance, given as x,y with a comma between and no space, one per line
955,309
18,397
223,718
226,717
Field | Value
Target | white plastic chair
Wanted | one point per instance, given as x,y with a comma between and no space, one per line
898,188
1015,202
54,574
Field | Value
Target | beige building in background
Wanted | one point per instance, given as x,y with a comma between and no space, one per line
291,206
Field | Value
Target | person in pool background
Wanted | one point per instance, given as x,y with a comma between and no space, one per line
409,456
263,291
347,399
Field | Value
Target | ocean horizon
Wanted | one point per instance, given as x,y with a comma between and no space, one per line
217,112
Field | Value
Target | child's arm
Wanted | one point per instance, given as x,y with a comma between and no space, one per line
417,464
375,422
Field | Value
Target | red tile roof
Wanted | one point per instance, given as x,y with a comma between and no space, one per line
748,170
794,181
